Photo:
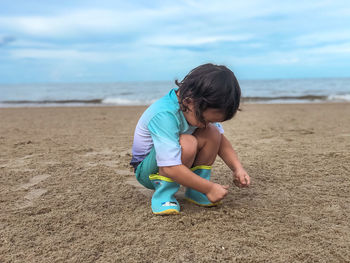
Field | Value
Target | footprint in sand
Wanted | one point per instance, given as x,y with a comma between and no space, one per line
33,194
30,198
34,181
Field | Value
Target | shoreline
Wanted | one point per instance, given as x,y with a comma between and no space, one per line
36,106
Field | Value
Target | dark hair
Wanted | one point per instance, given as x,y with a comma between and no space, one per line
210,86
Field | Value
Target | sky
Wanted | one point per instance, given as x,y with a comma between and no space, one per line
110,40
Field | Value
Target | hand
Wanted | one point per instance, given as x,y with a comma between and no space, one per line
217,192
242,179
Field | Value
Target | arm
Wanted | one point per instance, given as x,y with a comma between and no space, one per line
184,176
164,129
229,156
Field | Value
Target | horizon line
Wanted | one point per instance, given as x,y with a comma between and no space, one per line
150,81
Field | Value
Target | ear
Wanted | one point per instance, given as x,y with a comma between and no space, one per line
188,102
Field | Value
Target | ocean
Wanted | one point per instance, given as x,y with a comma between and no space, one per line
145,93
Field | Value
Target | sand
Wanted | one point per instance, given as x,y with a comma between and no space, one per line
67,193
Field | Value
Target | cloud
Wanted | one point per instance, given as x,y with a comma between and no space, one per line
313,39
170,36
76,53
60,54
36,44
191,17
86,21
182,40
4,40
340,49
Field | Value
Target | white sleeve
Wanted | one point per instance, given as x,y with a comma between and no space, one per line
219,126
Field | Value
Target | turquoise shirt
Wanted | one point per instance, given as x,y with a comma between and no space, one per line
160,127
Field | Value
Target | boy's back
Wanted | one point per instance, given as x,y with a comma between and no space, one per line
161,124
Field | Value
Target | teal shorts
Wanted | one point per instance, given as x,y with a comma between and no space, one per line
147,167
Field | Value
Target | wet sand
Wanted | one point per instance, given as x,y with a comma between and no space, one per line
67,193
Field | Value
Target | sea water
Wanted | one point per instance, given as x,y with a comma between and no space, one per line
145,93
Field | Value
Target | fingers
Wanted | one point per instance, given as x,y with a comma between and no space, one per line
247,180
237,182
243,181
217,192
225,190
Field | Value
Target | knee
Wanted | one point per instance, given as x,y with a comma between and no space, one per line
209,133
189,144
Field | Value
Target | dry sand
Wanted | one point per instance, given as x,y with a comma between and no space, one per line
66,193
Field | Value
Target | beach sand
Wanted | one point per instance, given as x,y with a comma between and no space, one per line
67,193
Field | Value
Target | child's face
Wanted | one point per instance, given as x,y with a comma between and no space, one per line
209,115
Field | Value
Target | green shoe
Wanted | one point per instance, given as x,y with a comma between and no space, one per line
163,200
196,197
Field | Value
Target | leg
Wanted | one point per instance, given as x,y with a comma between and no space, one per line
149,166
163,200
189,147
209,140
146,167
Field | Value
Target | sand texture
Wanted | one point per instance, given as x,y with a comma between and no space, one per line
67,193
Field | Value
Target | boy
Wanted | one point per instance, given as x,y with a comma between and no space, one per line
178,138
